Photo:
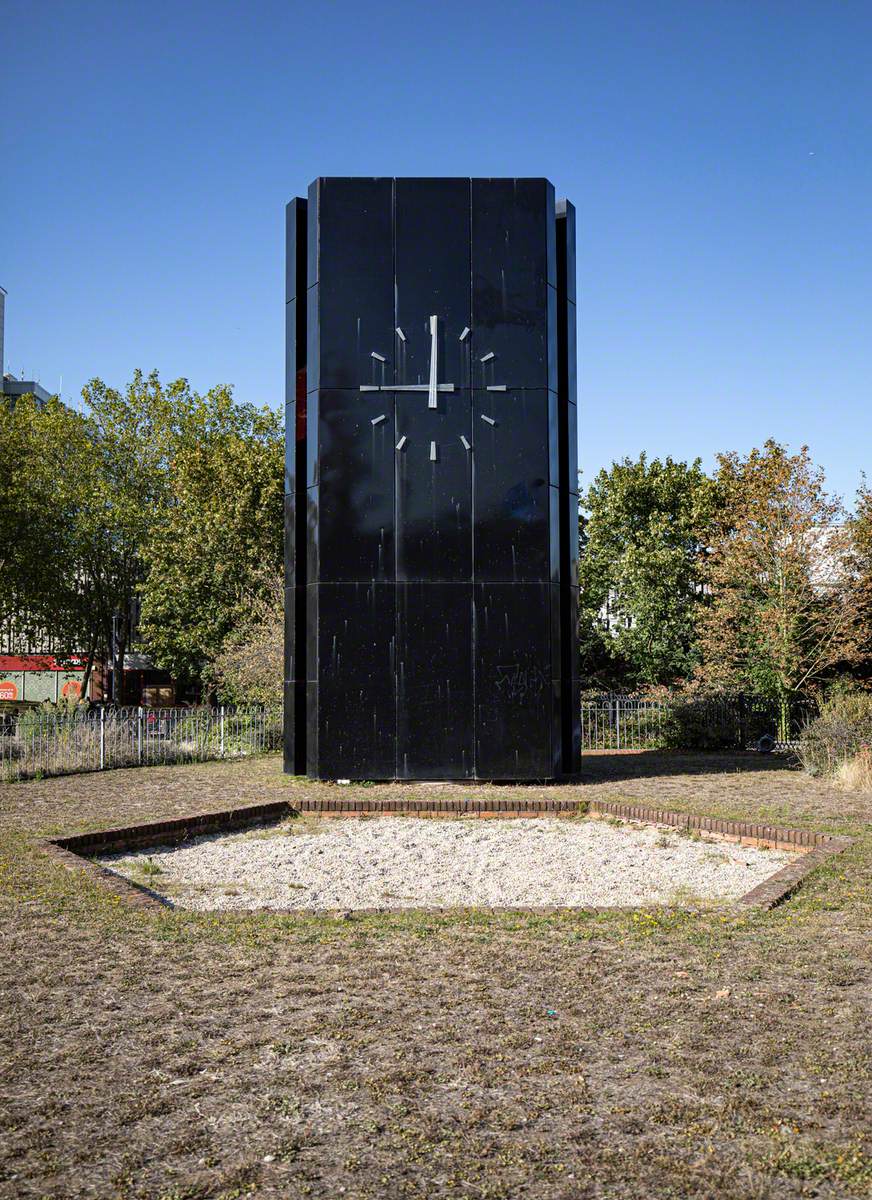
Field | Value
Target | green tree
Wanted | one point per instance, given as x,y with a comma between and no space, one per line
249,667
45,457
120,496
784,596
155,493
218,529
644,533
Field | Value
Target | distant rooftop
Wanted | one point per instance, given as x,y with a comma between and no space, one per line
24,387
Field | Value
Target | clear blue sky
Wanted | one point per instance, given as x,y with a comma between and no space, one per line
719,154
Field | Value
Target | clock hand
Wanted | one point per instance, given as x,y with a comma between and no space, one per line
431,392
433,387
405,387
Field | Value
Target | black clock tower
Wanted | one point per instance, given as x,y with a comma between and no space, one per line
431,507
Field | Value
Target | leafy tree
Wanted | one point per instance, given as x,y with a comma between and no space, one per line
45,457
783,592
218,528
120,496
249,666
155,493
644,533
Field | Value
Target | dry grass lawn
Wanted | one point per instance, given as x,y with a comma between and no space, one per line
177,1056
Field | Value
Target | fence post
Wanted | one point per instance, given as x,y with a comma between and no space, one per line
221,752
618,722
102,738
139,735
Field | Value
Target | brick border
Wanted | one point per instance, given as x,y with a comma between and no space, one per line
75,852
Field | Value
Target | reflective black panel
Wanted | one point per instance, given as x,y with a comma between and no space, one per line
551,234
573,611
552,339
295,633
312,439
312,235
290,448
356,470
572,727
356,671
434,488
290,554
295,243
554,499
553,440
312,729
555,618
566,277
312,535
572,383
291,350
432,278
513,694
510,282
300,435
289,730
300,688
355,280
294,728
572,446
434,683
290,251
572,506
290,655
511,432
301,593
313,341
559,701
312,627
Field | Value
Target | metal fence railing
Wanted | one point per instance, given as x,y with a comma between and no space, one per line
36,743
680,723
622,723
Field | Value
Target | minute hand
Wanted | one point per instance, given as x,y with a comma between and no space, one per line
434,353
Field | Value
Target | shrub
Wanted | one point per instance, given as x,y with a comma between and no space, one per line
700,725
249,667
837,743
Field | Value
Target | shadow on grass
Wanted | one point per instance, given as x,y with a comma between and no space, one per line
609,766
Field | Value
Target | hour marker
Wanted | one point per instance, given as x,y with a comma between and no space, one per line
489,420
401,442
490,354
378,357
466,445
370,387
432,452
378,420
465,333
400,334
496,387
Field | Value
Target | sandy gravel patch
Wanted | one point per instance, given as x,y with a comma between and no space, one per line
407,862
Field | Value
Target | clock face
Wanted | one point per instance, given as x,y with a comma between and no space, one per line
430,391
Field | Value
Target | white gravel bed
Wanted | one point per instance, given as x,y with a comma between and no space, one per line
408,862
